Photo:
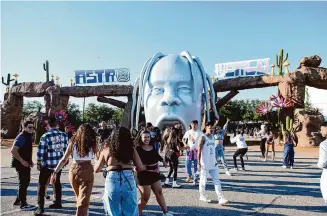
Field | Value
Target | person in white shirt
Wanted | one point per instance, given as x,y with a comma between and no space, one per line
263,135
190,139
322,163
242,149
208,165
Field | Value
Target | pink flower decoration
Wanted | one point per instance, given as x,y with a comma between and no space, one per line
264,108
280,102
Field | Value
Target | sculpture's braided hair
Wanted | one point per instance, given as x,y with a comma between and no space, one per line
85,140
141,81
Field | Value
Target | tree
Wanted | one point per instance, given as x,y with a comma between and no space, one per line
74,114
96,113
31,107
117,116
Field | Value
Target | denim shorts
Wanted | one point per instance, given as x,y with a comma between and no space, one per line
120,195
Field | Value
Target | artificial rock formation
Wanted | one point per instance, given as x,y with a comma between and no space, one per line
11,112
308,128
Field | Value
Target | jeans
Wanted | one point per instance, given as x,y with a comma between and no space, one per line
323,185
203,181
240,152
81,178
44,176
157,147
120,195
24,177
288,153
188,164
220,155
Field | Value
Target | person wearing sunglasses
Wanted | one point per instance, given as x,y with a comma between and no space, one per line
22,161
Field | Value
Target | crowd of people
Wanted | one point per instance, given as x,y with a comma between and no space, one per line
129,161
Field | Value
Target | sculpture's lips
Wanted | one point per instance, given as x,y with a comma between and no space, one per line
169,119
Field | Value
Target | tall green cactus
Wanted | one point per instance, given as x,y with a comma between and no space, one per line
8,80
280,61
289,124
46,69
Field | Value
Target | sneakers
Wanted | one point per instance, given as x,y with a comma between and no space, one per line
222,201
17,202
194,182
46,196
292,167
167,214
39,212
284,166
228,173
55,206
188,179
25,206
235,169
175,185
243,169
205,199
167,182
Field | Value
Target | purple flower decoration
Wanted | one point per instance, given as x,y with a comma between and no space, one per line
280,102
264,108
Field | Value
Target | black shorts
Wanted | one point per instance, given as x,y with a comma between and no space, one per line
145,178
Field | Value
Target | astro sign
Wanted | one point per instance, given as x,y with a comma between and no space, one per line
243,68
102,76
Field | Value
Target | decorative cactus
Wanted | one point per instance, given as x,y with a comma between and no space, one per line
280,61
46,69
8,80
289,124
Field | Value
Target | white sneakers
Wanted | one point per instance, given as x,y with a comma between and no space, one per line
205,199
228,173
221,200
167,214
175,185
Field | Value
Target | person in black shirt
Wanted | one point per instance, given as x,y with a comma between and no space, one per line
150,178
22,161
103,131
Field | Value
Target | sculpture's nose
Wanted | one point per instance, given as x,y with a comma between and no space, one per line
170,98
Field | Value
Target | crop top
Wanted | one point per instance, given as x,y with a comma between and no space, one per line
86,158
148,157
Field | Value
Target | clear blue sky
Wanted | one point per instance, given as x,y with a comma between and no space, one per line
72,35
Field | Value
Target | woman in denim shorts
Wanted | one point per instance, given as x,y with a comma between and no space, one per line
120,195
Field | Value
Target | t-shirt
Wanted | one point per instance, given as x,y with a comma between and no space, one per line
19,141
220,135
192,138
240,141
322,162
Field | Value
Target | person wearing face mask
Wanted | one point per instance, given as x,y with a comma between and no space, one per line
22,161
150,178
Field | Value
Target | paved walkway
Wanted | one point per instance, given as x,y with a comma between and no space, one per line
264,189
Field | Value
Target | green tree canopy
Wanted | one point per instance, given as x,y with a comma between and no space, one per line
31,107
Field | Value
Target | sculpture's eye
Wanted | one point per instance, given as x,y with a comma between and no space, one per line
184,89
157,90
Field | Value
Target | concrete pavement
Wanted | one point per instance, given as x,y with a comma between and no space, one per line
265,188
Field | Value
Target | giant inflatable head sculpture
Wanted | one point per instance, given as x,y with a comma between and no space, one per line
172,88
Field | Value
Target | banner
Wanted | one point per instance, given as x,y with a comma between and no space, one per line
102,76
243,68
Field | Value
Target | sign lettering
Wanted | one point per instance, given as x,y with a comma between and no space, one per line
242,68
101,76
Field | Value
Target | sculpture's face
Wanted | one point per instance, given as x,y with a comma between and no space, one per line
168,96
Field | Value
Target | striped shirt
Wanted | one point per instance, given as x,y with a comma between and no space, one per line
52,147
